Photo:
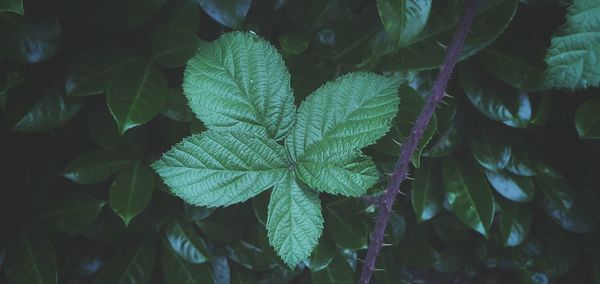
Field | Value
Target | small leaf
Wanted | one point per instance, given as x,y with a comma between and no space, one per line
176,107
93,70
15,6
230,13
173,47
338,271
186,243
30,257
403,19
219,169
514,188
555,187
53,110
136,94
179,271
468,194
131,191
71,213
240,83
95,166
322,255
575,47
515,222
133,263
427,193
103,130
29,39
345,227
343,116
490,146
587,120
295,222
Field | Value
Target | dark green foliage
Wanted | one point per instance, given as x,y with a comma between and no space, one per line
505,185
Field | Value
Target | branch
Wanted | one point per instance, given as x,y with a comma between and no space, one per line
409,147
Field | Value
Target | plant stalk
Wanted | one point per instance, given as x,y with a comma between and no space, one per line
402,165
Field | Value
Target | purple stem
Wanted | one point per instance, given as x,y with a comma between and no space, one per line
409,147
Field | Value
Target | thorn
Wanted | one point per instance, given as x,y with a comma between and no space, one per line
443,103
409,178
397,143
441,44
361,260
386,245
400,191
448,95
378,269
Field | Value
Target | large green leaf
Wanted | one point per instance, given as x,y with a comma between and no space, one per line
131,191
230,13
72,212
29,39
186,243
118,16
343,116
572,56
555,187
513,187
240,82
92,71
179,271
133,263
424,51
95,166
468,194
403,19
295,222
490,146
515,222
51,111
136,94
427,194
171,48
587,120
15,6
220,169
30,257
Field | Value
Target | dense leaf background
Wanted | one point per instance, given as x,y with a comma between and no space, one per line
505,187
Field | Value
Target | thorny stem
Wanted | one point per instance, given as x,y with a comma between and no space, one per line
409,147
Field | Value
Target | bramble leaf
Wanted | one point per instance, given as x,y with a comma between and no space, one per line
239,82
294,222
219,169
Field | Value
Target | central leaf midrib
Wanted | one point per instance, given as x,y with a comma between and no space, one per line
472,201
139,90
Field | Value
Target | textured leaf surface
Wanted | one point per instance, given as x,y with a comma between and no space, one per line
133,263
220,169
131,191
403,19
343,116
136,94
30,257
295,222
240,82
468,194
69,213
587,119
575,48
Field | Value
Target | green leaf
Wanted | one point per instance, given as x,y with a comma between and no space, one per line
343,116
95,166
136,94
295,222
186,243
403,20
575,48
577,219
240,82
322,255
427,193
30,257
555,187
447,139
521,161
93,70
176,107
513,187
515,222
249,254
230,13
51,111
73,212
490,146
179,271
338,271
15,6
133,263
29,40
131,191
103,130
587,120
219,169
117,16
345,226
424,51
415,250
173,47
468,194
180,14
